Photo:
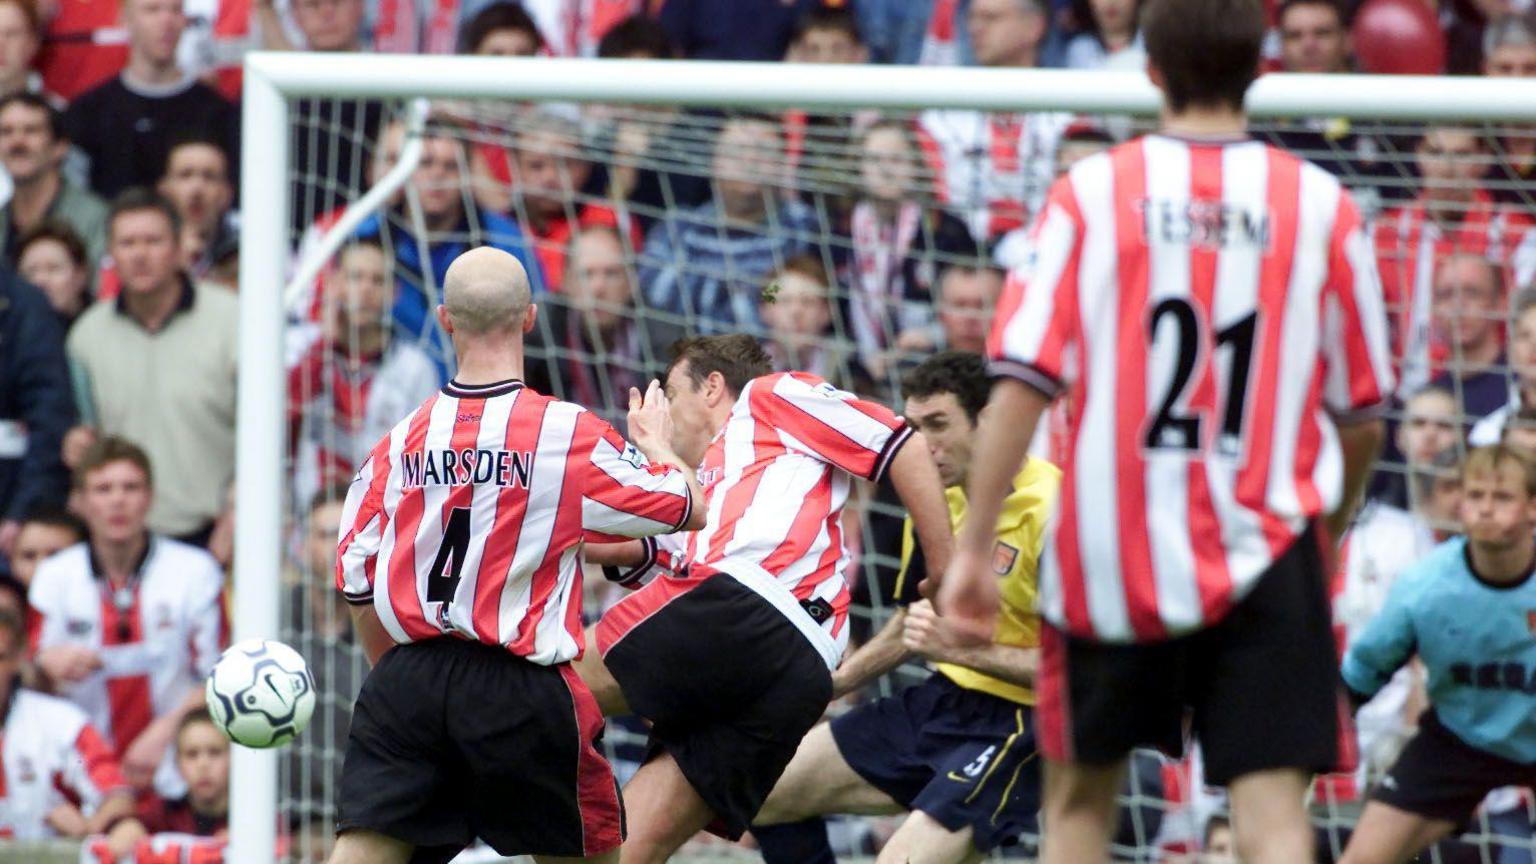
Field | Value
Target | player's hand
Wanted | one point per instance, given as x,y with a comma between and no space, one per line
650,422
929,634
967,597
68,664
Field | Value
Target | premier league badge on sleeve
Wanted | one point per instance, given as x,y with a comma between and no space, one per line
1003,558
632,455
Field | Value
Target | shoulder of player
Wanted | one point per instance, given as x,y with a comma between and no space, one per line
1032,497
1443,570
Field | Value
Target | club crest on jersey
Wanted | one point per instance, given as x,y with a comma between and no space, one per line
632,455
1003,557
77,627
163,619
24,770
709,476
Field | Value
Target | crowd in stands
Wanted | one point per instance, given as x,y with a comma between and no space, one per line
852,244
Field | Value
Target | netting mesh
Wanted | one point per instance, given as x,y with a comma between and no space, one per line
855,245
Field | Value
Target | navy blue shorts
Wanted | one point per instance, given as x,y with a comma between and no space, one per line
961,756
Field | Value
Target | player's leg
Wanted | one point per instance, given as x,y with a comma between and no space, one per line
819,782
663,810
1264,689
1078,813
1269,816
1387,835
369,847
594,673
922,840
605,858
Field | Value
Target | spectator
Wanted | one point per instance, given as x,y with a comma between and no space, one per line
32,147
994,168
453,223
51,751
707,262
797,310
826,34
548,174
1466,308
333,138
354,380
1522,369
160,362
501,30
1219,846
1110,40
53,257
202,760
130,622
197,183
733,29
1519,431
904,31
1452,214
1083,137
44,531
897,246
20,37
967,295
126,125
35,405
637,37
1314,38
321,631
1509,51
1431,423
594,343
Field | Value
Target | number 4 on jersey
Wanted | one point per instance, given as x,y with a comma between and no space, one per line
449,564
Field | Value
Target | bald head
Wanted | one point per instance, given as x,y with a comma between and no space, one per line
485,291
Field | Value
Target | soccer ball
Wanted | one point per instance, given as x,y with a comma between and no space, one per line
261,693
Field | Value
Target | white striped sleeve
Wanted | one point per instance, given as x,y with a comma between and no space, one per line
625,495
362,529
1356,345
1032,330
835,426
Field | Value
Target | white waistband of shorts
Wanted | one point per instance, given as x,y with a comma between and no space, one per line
762,582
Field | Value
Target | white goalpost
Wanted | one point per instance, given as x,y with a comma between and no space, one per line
268,271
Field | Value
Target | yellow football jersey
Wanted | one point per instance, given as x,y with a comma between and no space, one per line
1015,562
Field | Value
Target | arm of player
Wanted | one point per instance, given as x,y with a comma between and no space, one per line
1357,385
362,528
934,637
916,480
882,653
968,594
371,633
1361,442
1388,642
650,427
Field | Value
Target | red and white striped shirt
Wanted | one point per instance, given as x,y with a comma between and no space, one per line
471,512
50,750
776,479
157,638
1208,305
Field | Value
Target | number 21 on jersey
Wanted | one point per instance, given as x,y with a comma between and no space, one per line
1178,329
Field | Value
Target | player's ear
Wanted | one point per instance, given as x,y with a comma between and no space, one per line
714,388
530,317
1154,74
444,319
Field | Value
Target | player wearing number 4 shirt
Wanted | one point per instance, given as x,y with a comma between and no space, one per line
729,656
459,543
1211,306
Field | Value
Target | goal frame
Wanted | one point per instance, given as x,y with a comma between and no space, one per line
274,78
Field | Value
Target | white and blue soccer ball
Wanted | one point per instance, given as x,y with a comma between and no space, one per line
261,693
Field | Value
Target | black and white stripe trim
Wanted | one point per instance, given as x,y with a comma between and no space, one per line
1033,376
889,451
635,576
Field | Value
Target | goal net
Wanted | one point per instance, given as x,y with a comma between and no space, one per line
857,221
